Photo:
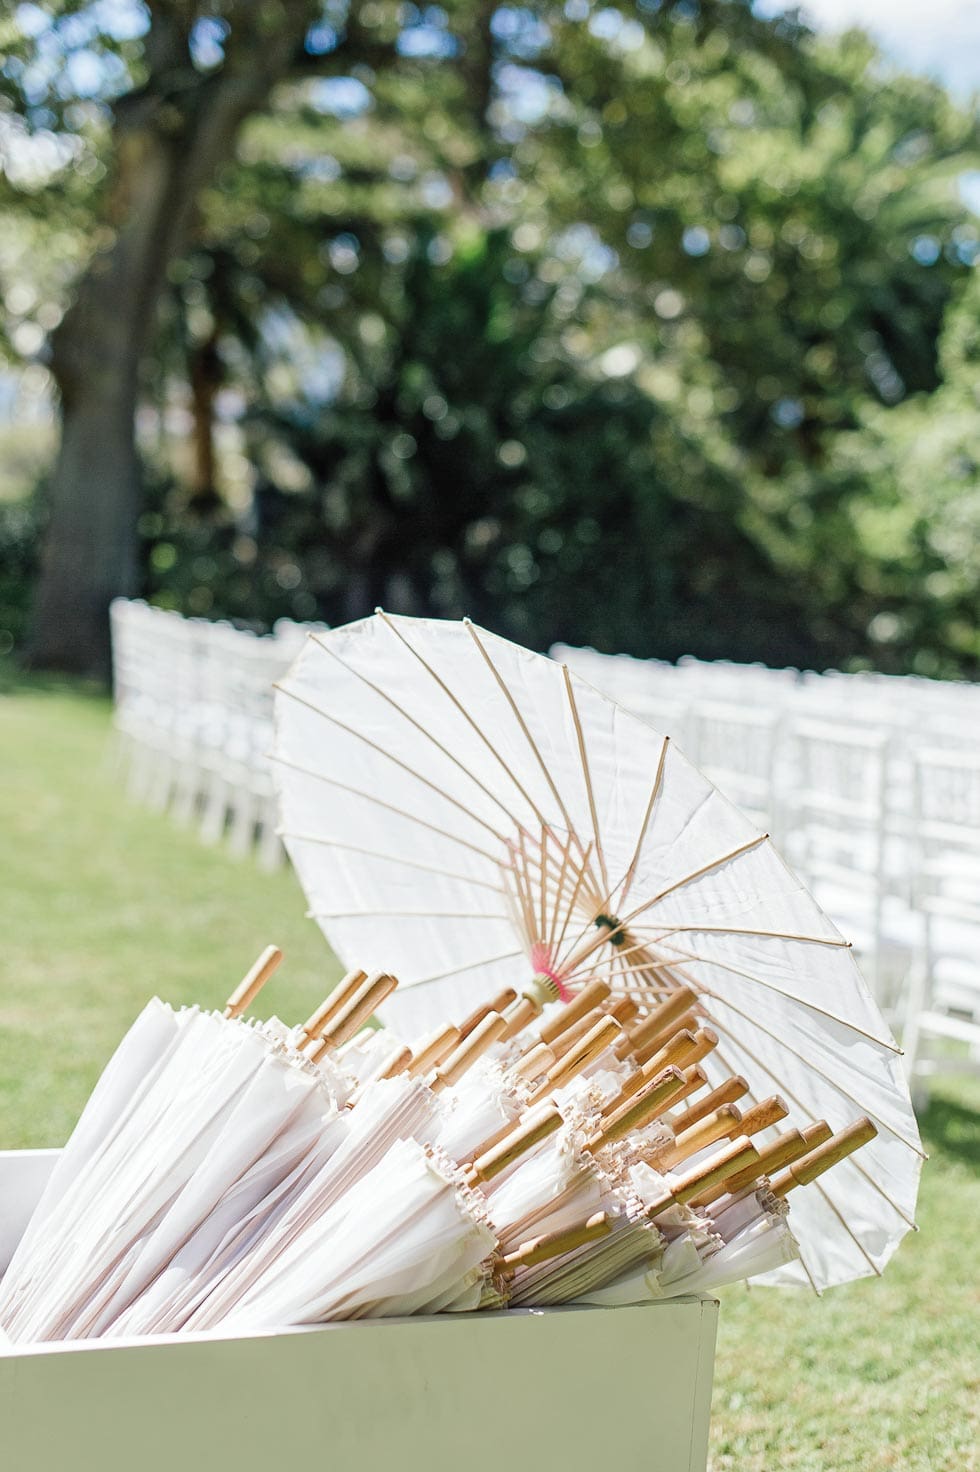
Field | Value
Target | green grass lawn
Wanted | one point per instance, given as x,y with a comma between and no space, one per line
102,904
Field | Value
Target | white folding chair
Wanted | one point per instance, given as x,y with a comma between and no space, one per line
143,670
834,819
942,1015
735,747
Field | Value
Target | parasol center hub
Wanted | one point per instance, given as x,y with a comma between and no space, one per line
618,935
547,986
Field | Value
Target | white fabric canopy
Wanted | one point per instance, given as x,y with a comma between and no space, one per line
465,813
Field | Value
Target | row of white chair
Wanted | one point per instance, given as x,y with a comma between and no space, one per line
193,713
870,785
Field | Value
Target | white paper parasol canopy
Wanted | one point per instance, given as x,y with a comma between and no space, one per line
471,815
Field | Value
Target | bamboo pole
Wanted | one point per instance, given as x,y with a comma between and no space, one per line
499,1004
534,1062
665,1018
572,1036
399,1063
769,1112
790,1146
728,1092
829,1154
683,1049
355,1012
667,1056
483,1037
520,1015
714,1126
331,1005
639,1111
438,1046
596,1041
736,1156
530,1132
566,1040
252,982
554,1244
645,1040
624,1009
590,996
694,1078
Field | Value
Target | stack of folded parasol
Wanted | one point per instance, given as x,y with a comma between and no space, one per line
250,1175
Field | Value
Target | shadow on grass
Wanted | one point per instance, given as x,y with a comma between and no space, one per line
952,1128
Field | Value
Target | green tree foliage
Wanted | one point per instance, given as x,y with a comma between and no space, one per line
494,480
609,322
905,489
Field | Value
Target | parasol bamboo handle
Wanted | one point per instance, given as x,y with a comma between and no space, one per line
769,1112
705,1042
590,996
534,1062
596,1041
694,1078
530,1132
355,1012
331,1005
590,1046
783,1151
729,1092
736,1156
520,1015
483,1036
683,1049
499,1004
252,982
633,1084
567,1040
830,1153
485,1146
624,1009
665,1019
643,1040
432,1052
555,1244
399,1063
674,1049
721,1122
474,1019
789,1146
639,1110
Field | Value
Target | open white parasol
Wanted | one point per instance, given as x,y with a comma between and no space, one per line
475,817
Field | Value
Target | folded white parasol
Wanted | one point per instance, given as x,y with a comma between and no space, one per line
475,817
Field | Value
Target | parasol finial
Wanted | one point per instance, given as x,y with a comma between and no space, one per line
252,982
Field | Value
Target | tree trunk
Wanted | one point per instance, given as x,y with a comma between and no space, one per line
90,551
170,139
204,377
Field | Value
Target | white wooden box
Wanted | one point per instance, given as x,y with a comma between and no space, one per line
556,1390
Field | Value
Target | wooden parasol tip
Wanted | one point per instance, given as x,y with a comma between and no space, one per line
554,1244
252,983
361,1005
837,1148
